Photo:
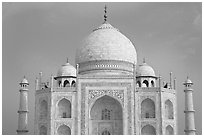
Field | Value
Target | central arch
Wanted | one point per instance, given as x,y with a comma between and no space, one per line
106,117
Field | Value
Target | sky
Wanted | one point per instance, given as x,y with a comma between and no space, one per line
40,36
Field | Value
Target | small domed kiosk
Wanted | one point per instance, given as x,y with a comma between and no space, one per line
145,76
66,75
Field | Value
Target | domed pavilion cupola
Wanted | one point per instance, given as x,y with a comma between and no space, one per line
106,51
66,76
145,76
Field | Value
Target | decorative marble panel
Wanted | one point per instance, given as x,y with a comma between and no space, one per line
119,94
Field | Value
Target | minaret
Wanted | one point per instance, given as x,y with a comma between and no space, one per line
189,110
23,108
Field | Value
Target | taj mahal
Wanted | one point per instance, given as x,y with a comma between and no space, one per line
106,93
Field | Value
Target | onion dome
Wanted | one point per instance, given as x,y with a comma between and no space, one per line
66,70
106,49
24,81
106,43
145,70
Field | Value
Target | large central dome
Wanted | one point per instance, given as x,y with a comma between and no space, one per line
106,43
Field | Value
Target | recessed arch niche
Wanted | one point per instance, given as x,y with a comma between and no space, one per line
169,130
169,109
43,109
106,117
147,108
64,108
64,130
148,130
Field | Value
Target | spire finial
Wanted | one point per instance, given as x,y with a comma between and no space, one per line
67,60
144,60
105,15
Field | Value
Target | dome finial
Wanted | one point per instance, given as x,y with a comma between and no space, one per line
144,60
105,15
67,60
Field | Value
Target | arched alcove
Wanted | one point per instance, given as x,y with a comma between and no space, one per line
148,130
63,130
64,108
152,83
66,83
146,83
43,109
73,83
147,108
106,117
43,130
169,130
169,111
138,84
105,132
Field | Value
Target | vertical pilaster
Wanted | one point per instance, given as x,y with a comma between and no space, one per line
170,83
51,82
36,84
40,80
160,104
174,83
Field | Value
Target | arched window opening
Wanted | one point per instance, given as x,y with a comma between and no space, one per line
152,83
105,114
169,130
169,109
64,108
66,83
43,109
73,83
138,84
145,83
64,130
43,130
147,108
59,83
148,130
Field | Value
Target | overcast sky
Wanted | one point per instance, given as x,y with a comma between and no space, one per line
40,36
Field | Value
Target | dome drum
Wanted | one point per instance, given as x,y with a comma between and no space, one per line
106,65
156,77
64,77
